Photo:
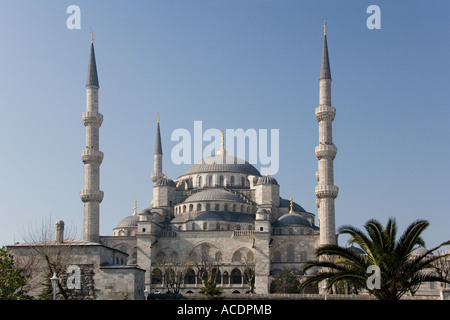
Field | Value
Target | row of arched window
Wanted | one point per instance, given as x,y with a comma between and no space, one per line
236,276
214,207
215,180
288,254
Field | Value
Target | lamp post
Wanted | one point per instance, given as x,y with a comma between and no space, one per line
54,280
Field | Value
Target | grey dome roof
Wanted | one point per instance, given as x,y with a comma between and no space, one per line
419,251
214,195
357,250
290,219
127,222
222,163
287,203
165,182
267,180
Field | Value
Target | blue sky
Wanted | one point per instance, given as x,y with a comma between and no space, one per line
231,64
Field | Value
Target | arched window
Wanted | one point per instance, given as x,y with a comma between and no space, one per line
236,257
290,253
184,208
232,181
156,276
238,227
189,277
234,208
303,256
242,181
217,225
277,256
199,181
199,207
208,207
210,181
236,276
225,278
218,257
242,208
217,207
249,227
225,207
205,225
191,207
221,181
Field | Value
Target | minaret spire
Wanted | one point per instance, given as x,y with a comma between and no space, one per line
326,191
157,164
222,150
92,158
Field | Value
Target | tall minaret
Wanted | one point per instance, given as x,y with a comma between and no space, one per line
157,163
326,151
91,156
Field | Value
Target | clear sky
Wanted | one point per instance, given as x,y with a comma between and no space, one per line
230,64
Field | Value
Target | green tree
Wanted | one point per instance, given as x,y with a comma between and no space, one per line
400,272
12,280
285,281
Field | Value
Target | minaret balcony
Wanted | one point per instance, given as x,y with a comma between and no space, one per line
326,191
88,195
91,156
326,151
92,118
325,113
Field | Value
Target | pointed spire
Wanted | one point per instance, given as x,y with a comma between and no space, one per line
158,146
222,150
92,78
325,72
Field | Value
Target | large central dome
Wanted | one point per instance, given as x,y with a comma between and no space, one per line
222,163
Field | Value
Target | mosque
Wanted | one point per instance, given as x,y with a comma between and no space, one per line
222,215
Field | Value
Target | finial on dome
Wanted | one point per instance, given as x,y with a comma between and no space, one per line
292,205
158,117
222,151
165,175
135,207
325,27
92,36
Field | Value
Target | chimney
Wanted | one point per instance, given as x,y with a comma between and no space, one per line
59,231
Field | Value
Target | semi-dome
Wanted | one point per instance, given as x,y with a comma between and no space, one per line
291,219
267,180
222,163
214,195
127,222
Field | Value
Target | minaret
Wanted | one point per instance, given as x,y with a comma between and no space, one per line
326,151
157,163
91,156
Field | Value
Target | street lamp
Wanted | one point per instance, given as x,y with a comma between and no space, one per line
54,281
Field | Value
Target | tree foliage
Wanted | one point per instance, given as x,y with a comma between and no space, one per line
400,271
13,280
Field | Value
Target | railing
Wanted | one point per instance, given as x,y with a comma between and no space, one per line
243,233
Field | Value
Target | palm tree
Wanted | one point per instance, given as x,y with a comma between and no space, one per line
400,271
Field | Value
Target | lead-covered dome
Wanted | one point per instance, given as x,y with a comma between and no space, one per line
291,219
222,163
127,222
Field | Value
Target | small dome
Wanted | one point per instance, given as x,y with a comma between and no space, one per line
127,222
357,250
165,182
419,251
287,203
267,180
214,195
291,219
